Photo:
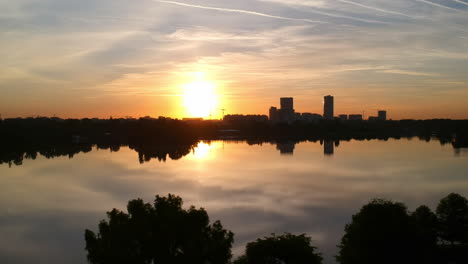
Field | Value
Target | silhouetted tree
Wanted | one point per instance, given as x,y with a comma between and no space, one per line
379,233
285,249
425,224
452,212
159,233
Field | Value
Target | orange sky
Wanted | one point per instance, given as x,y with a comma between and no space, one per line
108,58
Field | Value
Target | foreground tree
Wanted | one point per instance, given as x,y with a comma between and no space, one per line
379,233
383,232
425,224
452,212
282,249
159,233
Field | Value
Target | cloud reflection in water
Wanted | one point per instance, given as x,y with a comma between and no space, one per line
46,204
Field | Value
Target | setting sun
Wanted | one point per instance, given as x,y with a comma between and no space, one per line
200,99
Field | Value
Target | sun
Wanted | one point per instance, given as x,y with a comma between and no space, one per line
200,99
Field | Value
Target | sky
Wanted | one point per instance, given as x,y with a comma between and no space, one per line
101,58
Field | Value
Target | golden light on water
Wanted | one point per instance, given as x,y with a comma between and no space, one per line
206,150
200,98
201,151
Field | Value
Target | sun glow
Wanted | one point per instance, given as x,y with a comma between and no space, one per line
206,150
200,99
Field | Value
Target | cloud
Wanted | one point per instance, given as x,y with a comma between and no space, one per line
461,2
48,206
347,17
240,11
63,53
376,8
329,5
441,6
414,73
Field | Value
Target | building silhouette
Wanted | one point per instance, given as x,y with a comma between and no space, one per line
355,117
382,115
343,117
246,118
328,107
287,103
308,117
274,114
286,113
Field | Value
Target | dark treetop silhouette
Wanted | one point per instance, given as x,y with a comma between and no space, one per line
453,215
286,248
379,233
159,233
383,232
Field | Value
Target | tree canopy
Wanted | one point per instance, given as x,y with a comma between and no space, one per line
378,233
452,212
381,232
284,249
160,233
384,232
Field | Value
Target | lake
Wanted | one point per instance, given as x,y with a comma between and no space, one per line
254,189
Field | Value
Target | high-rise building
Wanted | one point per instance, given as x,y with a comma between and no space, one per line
382,115
274,114
328,107
286,112
287,103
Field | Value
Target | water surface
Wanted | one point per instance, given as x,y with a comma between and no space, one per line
255,190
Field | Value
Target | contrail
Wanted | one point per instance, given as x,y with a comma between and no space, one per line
347,17
438,5
271,16
377,9
240,11
461,2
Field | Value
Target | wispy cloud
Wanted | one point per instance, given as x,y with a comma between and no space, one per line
240,11
315,3
109,49
320,11
376,8
461,2
441,6
405,72
347,17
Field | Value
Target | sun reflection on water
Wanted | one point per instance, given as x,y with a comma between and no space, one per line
205,150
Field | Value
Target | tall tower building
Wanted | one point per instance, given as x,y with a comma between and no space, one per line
287,103
286,111
328,107
382,115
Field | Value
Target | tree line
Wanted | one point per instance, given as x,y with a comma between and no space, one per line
158,138
40,131
382,231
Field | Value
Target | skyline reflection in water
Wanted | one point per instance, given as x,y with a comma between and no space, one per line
161,152
254,190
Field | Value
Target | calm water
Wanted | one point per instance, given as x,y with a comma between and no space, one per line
255,190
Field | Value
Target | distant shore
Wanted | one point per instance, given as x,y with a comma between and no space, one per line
157,138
